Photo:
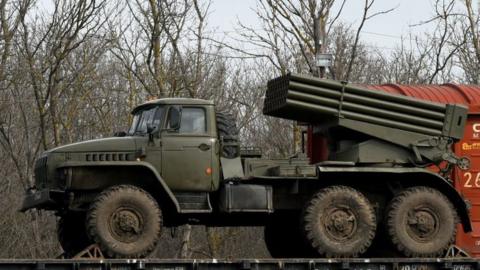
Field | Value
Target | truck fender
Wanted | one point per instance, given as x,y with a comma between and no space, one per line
413,176
138,164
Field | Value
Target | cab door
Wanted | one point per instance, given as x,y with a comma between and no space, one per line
187,152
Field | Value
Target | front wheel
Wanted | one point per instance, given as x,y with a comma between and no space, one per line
125,221
421,222
339,221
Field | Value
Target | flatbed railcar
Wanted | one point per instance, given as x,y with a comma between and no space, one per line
257,264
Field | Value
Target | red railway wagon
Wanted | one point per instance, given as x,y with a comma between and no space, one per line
466,182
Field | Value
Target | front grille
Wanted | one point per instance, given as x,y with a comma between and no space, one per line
41,171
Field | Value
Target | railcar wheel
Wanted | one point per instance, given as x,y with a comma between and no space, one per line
284,239
339,221
421,222
71,233
125,221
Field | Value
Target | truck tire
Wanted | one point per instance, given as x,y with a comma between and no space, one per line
72,234
228,133
125,221
421,222
284,238
339,221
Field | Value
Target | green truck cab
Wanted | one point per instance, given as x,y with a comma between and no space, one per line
165,135
180,162
156,144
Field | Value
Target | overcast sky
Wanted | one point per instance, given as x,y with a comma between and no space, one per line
383,31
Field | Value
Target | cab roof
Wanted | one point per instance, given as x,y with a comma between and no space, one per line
173,101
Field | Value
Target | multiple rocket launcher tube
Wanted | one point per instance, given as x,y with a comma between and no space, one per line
313,100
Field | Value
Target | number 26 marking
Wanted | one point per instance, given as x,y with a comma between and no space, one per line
469,183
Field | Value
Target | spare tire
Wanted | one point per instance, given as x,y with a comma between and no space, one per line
228,135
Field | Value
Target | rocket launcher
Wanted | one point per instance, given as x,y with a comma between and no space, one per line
368,126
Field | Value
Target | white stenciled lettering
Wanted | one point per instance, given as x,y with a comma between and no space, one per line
476,127
471,180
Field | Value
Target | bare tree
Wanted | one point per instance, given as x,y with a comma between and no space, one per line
47,52
365,17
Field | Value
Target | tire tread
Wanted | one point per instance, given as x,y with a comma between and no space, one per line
228,132
92,216
309,215
395,205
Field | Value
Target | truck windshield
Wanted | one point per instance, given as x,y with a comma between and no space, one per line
149,116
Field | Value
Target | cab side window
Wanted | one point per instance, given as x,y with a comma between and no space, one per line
193,121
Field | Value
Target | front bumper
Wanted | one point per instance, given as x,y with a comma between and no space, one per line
42,199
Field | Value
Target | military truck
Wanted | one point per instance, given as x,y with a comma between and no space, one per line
180,162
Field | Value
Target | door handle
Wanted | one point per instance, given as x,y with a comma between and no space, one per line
204,147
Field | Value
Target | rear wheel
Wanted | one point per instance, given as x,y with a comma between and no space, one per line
339,221
421,222
72,234
125,221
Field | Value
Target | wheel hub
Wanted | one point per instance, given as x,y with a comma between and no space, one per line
126,225
340,224
422,224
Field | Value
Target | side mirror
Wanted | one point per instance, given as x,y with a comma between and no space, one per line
150,128
174,118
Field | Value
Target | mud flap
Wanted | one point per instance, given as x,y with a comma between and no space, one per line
232,167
